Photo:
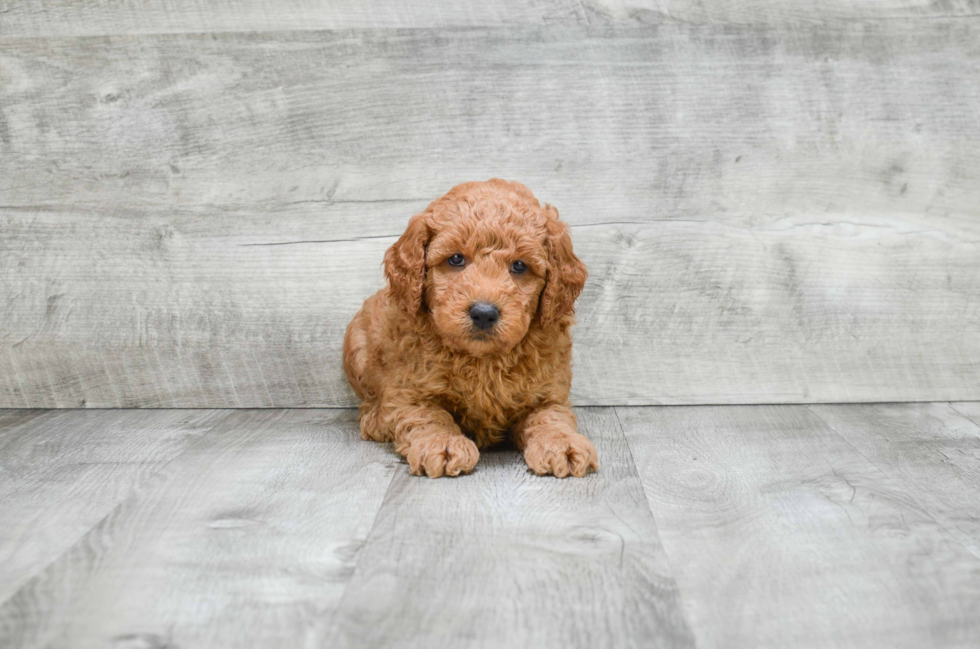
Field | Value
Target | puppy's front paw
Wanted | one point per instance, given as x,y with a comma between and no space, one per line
561,454
437,454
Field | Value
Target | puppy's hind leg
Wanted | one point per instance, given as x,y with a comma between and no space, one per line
371,428
355,354
357,369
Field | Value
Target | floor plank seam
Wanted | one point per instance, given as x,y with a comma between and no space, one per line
680,592
112,512
947,533
331,629
963,414
41,569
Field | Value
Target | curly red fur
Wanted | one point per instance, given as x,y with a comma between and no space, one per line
441,389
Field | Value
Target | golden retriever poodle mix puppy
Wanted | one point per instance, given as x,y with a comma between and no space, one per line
469,342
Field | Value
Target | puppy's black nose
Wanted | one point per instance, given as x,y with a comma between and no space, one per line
484,315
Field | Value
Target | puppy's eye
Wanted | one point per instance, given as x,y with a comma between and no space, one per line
518,267
457,260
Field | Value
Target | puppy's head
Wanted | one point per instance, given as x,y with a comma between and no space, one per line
485,261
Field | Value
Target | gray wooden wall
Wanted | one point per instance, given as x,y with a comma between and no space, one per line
778,201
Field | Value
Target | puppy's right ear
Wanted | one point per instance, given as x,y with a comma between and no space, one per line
405,264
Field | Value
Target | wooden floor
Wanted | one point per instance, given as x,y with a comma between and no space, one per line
708,526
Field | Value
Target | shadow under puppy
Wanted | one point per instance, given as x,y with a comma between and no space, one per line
469,342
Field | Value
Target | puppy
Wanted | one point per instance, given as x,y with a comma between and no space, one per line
469,342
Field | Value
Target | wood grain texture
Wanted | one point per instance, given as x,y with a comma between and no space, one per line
769,215
607,122
781,534
503,558
930,450
777,12
37,18
246,540
61,473
282,529
13,418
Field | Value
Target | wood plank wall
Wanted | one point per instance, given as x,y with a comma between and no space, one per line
779,202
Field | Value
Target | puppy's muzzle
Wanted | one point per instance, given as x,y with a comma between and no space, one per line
484,315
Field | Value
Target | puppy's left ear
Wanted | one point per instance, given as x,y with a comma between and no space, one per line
566,272
405,264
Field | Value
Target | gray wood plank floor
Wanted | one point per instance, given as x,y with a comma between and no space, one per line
726,526
931,451
782,534
64,471
506,559
246,540
763,191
